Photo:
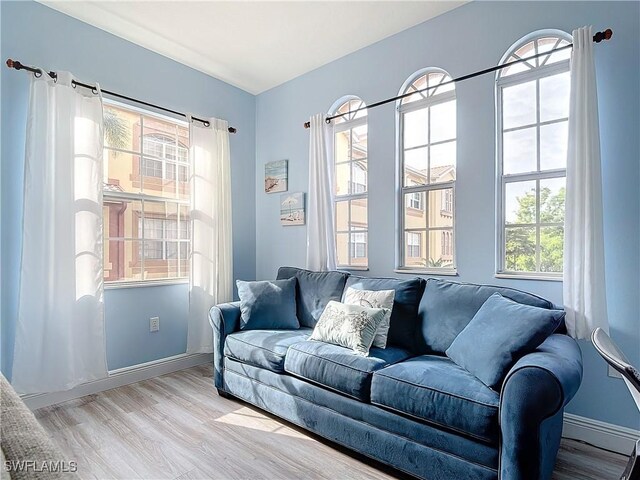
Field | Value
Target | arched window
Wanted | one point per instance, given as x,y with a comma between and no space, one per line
427,157
163,155
532,120
351,185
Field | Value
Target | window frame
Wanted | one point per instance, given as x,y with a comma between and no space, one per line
177,162
142,197
447,202
402,190
415,201
344,125
417,244
353,245
165,241
503,179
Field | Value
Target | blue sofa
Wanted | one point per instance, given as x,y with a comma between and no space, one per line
407,405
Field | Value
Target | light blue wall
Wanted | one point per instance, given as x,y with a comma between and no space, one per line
38,35
464,40
127,313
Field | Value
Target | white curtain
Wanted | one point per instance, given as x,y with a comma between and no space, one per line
321,242
211,280
584,283
60,340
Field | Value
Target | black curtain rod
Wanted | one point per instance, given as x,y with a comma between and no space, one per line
597,38
38,73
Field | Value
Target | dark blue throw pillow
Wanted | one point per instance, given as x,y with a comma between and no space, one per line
268,305
314,291
404,316
499,334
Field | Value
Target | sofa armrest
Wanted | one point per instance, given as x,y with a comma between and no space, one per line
224,320
532,403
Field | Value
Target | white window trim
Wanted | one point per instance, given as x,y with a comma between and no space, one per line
337,128
353,268
142,197
145,111
433,272
502,179
118,284
401,190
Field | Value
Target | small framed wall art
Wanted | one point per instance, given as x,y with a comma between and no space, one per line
292,211
276,176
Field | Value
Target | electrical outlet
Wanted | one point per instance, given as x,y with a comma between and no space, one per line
154,324
614,373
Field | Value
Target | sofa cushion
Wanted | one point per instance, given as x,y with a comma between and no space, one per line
435,390
314,291
338,368
268,305
404,316
447,307
499,334
263,348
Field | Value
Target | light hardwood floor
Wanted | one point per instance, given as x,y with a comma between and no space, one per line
177,427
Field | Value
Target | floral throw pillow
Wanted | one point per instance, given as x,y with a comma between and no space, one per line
350,326
374,299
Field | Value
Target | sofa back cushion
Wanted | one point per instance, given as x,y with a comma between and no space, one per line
447,307
314,291
404,315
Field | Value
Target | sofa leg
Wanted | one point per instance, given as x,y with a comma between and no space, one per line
224,394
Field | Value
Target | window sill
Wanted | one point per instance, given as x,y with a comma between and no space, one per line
528,276
353,269
144,283
426,271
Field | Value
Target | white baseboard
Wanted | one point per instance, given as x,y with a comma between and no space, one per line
601,434
119,377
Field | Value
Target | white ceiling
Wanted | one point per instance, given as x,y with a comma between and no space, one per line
254,45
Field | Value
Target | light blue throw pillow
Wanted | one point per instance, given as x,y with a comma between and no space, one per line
268,305
499,334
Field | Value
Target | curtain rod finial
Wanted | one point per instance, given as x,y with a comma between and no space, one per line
13,64
600,36
306,124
